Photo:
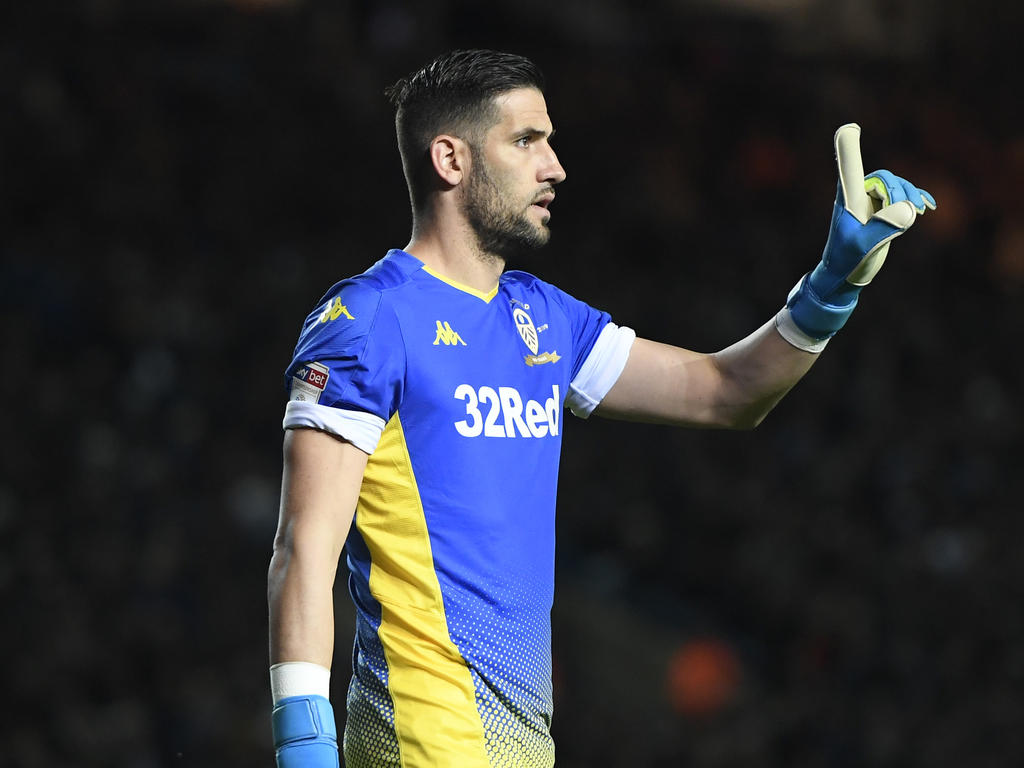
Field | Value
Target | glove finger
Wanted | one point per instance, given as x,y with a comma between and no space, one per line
888,188
851,172
916,196
929,200
898,216
885,187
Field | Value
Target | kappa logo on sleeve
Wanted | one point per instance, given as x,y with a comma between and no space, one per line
309,382
334,311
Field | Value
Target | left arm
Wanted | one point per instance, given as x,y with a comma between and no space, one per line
737,387
734,388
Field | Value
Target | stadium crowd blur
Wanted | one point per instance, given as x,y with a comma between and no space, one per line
182,180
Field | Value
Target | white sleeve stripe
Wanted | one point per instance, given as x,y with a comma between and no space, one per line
600,370
361,429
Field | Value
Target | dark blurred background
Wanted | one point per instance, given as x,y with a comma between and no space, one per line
181,180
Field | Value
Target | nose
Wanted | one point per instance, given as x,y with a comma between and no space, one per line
552,170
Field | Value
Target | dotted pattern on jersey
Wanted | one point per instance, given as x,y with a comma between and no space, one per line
370,740
514,737
509,652
512,685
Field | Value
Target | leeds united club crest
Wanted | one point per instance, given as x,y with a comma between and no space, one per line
528,333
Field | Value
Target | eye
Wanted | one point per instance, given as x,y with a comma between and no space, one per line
524,141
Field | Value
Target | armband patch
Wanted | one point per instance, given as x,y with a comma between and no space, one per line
309,382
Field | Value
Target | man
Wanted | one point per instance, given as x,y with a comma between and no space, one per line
426,404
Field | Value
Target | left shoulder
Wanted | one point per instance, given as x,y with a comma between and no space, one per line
517,281
531,288
516,277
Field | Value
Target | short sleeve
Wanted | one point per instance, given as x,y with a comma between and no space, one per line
348,368
601,369
586,323
600,351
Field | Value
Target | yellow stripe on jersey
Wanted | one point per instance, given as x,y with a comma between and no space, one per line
430,684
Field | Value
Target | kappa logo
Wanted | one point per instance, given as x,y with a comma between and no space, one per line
530,335
334,311
447,336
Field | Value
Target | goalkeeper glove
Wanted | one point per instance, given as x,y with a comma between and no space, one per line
868,214
305,735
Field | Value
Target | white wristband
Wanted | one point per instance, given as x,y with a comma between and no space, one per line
791,332
299,678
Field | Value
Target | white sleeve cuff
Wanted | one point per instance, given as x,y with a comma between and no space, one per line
299,678
361,429
600,370
791,332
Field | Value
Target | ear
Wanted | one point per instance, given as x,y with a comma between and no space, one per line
450,157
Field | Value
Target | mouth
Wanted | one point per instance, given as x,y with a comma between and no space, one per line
543,202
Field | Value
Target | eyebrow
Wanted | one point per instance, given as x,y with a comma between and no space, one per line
535,133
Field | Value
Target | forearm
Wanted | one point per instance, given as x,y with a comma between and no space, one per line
755,373
301,602
322,476
301,646
318,499
731,389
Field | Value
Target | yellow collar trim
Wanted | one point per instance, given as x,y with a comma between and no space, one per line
485,297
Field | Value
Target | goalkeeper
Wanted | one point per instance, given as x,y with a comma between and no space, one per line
423,430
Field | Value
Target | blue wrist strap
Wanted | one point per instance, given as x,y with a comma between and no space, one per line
305,735
815,316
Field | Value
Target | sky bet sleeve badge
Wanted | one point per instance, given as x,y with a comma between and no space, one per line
309,382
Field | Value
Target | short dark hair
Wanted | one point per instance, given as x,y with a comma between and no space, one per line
453,94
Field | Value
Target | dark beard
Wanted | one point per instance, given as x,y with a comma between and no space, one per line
499,231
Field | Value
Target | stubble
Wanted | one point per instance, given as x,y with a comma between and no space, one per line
503,230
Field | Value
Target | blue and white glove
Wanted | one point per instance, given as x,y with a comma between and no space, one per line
305,735
869,213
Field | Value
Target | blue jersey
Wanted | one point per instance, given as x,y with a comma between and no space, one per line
459,398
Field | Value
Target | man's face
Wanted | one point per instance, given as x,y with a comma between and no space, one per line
512,178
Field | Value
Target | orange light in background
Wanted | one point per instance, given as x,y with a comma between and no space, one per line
703,677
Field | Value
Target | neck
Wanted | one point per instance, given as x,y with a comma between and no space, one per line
450,248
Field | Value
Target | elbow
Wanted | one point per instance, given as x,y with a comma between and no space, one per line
746,419
746,413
